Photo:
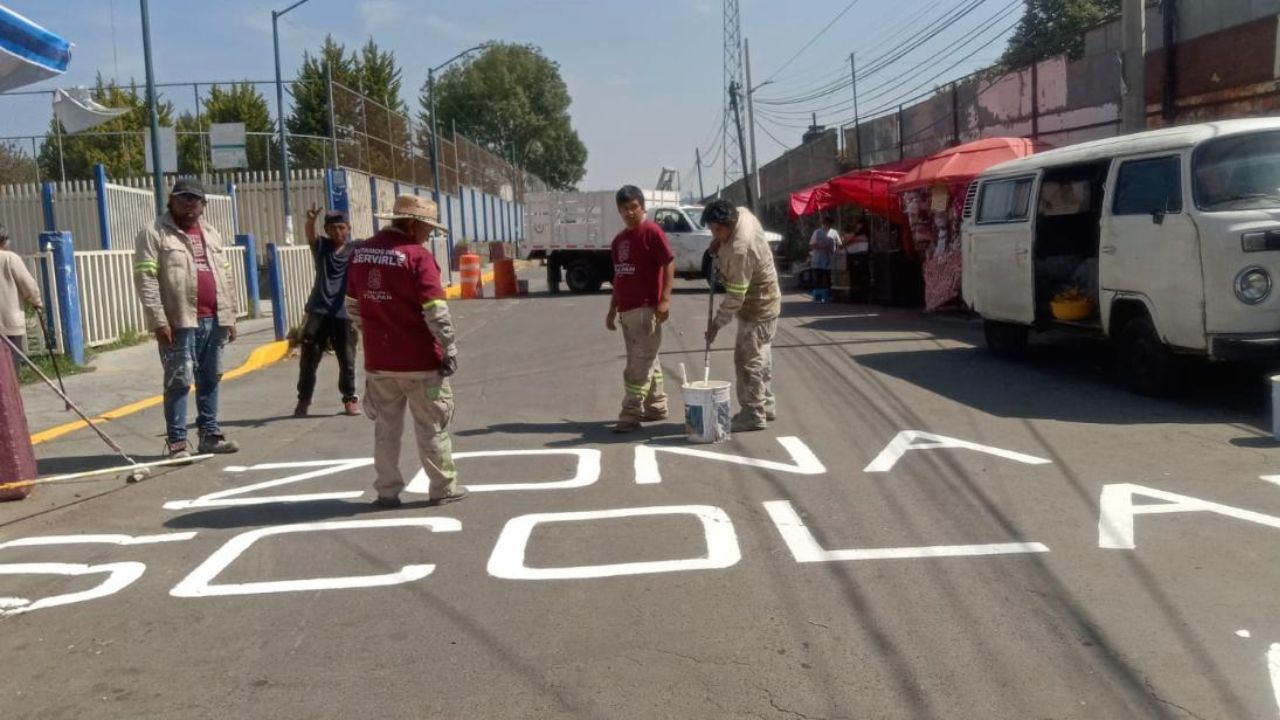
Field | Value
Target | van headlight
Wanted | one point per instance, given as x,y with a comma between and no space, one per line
1253,285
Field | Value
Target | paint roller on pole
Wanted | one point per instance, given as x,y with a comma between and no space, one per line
706,403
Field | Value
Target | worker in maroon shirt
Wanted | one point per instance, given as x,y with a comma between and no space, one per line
643,272
395,297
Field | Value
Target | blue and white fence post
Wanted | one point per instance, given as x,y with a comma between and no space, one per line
448,240
278,306
100,193
63,250
46,204
250,245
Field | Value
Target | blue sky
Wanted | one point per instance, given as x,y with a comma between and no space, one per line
645,77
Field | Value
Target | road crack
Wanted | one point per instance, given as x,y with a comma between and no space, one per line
793,713
1151,689
700,661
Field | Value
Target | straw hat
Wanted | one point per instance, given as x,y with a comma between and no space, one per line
412,207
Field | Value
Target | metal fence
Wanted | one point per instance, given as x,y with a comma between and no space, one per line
297,275
23,216
109,306
131,206
239,283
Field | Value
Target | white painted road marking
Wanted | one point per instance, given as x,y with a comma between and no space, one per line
507,560
803,460
119,576
917,440
587,473
97,539
198,583
805,548
326,467
1273,665
1116,511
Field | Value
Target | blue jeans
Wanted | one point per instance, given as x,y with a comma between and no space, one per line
194,356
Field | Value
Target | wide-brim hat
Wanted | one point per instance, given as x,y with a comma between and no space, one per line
413,207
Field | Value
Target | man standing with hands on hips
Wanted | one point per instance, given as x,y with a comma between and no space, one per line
745,265
184,284
395,298
643,273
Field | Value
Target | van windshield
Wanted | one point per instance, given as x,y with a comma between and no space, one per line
1241,172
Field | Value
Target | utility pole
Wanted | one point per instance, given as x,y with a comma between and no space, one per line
1169,14
730,141
157,173
1133,25
857,136
751,113
734,90
697,156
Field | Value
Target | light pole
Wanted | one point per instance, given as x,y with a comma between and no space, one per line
284,150
157,173
435,125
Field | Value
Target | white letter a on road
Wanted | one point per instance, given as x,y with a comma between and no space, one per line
917,440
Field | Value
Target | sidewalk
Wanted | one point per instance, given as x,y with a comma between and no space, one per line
126,376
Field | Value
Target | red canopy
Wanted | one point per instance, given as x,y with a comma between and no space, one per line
868,189
963,163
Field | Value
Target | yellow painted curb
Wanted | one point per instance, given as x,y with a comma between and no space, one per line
258,359
454,292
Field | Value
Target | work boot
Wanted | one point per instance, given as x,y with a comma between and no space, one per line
301,409
745,422
458,494
386,503
351,407
176,450
625,426
771,415
654,415
217,444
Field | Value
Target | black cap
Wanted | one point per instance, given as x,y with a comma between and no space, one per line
188,186
335,216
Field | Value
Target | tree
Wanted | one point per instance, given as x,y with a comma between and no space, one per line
509,99
117,144
240,102
1055,27
371,72
16,166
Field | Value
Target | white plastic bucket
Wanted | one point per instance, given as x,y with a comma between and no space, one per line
707,412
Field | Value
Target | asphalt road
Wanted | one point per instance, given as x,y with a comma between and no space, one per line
1045,545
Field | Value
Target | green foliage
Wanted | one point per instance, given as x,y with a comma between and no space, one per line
1055,27
16,166
511,97
240,102
121,154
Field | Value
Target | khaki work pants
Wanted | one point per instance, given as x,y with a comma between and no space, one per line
642,378
753,361
430,402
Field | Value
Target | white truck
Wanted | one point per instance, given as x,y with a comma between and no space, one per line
573,233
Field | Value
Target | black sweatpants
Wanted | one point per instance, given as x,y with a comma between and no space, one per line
319,330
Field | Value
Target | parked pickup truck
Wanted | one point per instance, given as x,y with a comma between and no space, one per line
573,232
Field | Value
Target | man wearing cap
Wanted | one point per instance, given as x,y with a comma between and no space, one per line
16,287
395,298
327,320
184,284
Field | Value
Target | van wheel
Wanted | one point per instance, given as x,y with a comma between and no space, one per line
1006,340
1147,366
581,277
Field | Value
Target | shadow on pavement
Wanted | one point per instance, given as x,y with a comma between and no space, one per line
276,514
87,463
1072,382
594,433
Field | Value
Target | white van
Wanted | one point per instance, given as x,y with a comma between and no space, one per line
1174,235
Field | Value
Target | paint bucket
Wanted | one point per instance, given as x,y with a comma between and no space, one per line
706,411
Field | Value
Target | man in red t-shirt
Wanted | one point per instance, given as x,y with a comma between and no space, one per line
643,272
395,297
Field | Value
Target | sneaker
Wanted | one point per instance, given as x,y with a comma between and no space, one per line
351,407
177,450
386,503
747,423
625,426
301,409
458,494
217,444
654,415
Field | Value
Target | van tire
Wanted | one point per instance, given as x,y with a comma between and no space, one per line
582,278
1147,366
1006,340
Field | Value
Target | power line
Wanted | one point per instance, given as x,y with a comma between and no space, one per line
813,39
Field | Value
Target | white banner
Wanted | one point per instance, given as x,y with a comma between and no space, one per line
168,149
78,111
227,145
